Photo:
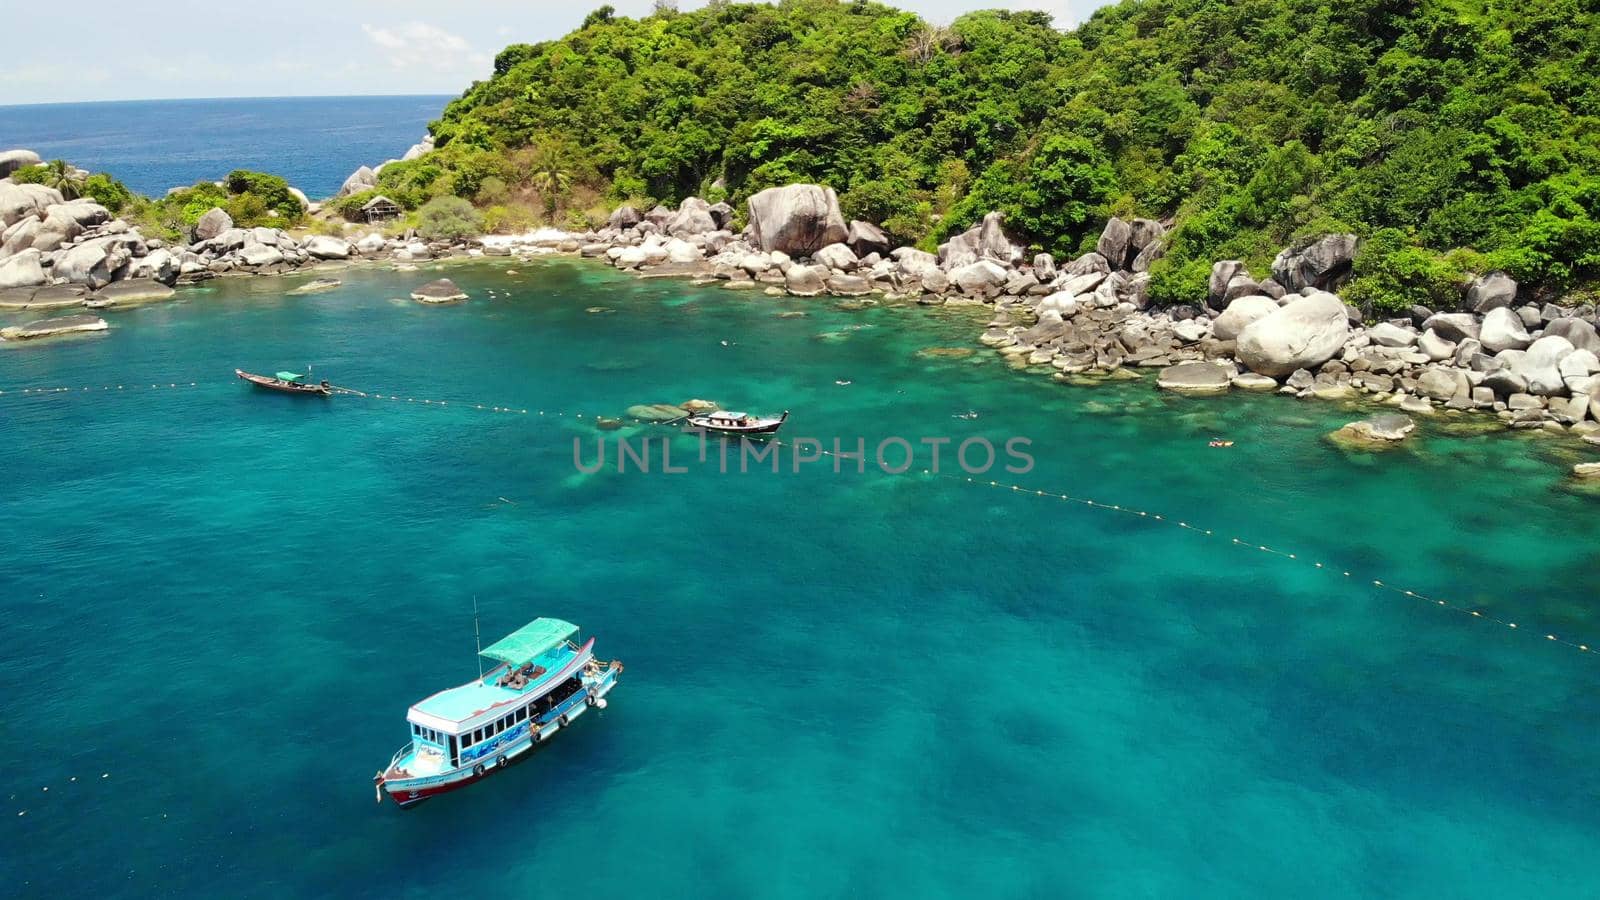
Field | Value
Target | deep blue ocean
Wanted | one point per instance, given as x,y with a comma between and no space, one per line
153,145
219,603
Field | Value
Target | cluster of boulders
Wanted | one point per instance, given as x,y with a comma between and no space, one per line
1535,366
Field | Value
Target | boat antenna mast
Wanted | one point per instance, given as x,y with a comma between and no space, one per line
477,636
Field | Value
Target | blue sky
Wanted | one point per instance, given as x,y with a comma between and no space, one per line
119,51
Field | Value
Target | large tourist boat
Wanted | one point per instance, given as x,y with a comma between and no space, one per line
541,683
738,423
287,382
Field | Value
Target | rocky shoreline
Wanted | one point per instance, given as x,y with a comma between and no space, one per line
1532,366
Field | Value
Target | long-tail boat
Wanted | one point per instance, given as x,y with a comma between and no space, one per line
287,382
541,683
738,423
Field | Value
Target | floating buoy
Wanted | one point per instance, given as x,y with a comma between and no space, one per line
601,703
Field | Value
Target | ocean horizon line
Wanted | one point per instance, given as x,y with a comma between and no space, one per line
129,101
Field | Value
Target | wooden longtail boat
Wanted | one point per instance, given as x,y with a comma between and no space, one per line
287,382
738,423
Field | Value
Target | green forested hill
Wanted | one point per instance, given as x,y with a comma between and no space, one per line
1452,135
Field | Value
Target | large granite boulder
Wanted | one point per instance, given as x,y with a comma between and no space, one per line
1541,365
12,160
95,263
1388,334
1222,274
993,242
17,201
134,290
1503,330
866,238
798,219
21,270
1240,313
324,246
835,256
979,279
806,281
362,179
624,217
158,265
1114,243
1323,264
1579,332
19,236
1303,334
1492,291
722,214
1455,327
212,224
913,262
693,217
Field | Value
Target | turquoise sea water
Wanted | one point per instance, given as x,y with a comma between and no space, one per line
153,145
219,604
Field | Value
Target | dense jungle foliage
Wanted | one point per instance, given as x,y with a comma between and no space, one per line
1452,135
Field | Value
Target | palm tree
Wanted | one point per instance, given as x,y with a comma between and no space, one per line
64,177
551,175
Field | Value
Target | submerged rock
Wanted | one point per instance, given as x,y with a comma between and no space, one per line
656,412
1196,379
442,291
134,290
1380,430
315,285
49,327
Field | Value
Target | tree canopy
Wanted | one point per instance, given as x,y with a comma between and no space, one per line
1453,135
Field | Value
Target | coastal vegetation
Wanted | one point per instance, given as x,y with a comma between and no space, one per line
1453,137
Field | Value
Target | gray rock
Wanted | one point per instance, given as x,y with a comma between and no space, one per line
1250,381
1240,313
1113,243
12,160
1541,365
806,281
693,217
623,217
1436,348
22,270
134,290
442,291
1324,264
1222,272
723,215
212,224
1503,330
1388,334
1455,327
1090,263
659,216
1153,251
865,238
1495,290
1196,379
798,219
1440,384
95,263
327,247
18,201
1384,428
1044,267
1240,285
993,242
1301,335
51,327
836,256
1580,333
360,180
848,286
980,278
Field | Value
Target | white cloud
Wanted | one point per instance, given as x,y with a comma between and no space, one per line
418,45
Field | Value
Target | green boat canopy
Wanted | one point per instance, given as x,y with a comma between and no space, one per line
290,376
530,641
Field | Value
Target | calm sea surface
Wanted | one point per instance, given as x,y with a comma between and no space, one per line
153,145
218,604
